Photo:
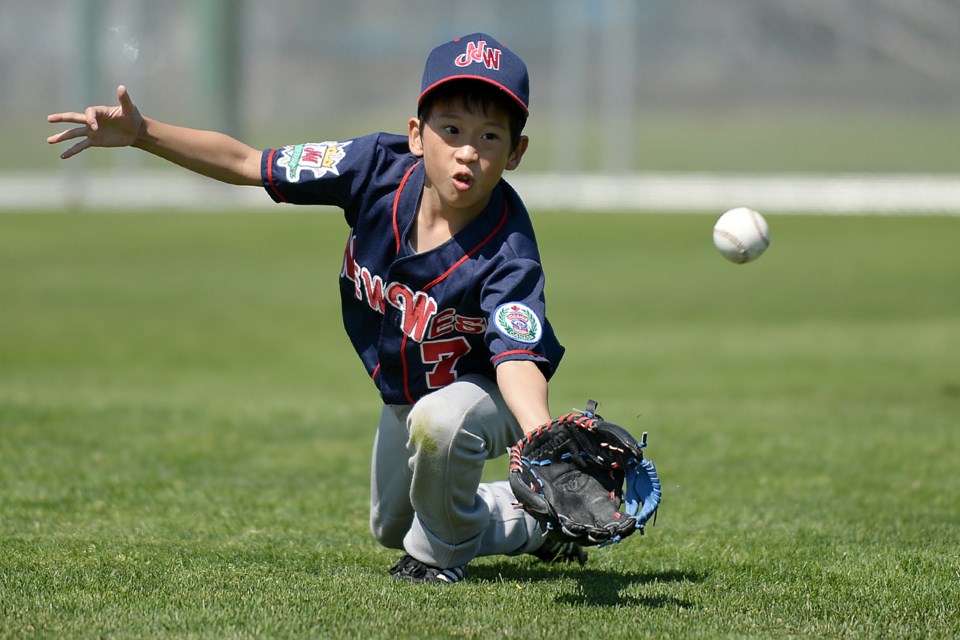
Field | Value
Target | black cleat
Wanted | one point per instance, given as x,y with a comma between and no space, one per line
410,569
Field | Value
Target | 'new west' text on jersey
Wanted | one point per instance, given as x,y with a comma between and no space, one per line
418,321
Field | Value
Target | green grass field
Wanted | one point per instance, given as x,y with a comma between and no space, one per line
185,433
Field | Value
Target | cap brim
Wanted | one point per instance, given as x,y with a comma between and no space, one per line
516,99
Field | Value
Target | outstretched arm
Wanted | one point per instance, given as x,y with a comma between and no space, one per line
205,152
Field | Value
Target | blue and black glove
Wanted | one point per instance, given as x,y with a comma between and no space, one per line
575,473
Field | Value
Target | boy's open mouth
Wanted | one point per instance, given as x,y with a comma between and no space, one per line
462,181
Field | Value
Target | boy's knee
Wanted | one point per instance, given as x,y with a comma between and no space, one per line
434,424
462,417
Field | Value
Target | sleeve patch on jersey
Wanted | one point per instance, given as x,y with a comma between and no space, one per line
318,158
518,322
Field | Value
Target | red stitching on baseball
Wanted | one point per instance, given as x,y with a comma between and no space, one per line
754,216
742,248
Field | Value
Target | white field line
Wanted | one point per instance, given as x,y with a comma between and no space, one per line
895,194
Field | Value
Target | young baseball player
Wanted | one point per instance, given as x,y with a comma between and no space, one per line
442,292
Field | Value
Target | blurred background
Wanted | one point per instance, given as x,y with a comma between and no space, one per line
618,86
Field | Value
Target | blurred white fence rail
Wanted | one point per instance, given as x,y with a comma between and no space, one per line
825,194
650,192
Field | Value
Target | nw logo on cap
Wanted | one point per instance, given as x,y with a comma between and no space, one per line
479,52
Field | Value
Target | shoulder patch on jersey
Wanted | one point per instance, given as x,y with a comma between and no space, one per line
518,322
319,158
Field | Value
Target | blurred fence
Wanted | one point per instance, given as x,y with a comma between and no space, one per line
618,86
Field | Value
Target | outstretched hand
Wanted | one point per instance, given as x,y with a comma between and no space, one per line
116,126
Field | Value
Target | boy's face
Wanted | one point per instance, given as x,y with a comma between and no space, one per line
464,154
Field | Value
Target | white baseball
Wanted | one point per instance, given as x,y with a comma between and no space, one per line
741,235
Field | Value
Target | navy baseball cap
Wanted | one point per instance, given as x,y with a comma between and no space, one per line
477,57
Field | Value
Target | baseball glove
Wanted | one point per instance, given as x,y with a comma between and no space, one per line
574,473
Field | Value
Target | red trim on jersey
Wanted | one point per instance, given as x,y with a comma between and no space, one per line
403,362
270,175
515,352
396,202
466,256
376,370
396,233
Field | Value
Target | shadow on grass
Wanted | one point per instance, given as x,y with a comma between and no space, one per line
596,587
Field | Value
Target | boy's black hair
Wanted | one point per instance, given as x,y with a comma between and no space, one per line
476,96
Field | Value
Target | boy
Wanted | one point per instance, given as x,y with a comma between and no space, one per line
441,289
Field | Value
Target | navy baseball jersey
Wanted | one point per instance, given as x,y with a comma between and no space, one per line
418,321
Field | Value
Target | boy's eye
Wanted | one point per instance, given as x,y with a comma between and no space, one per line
490,136
451,130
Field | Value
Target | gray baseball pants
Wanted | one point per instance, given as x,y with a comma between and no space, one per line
425,491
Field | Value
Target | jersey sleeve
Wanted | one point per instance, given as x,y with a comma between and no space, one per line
517,326
336,173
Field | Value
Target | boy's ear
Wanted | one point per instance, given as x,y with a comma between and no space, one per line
415,140
517,154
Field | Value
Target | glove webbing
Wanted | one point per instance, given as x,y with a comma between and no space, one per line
582,420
